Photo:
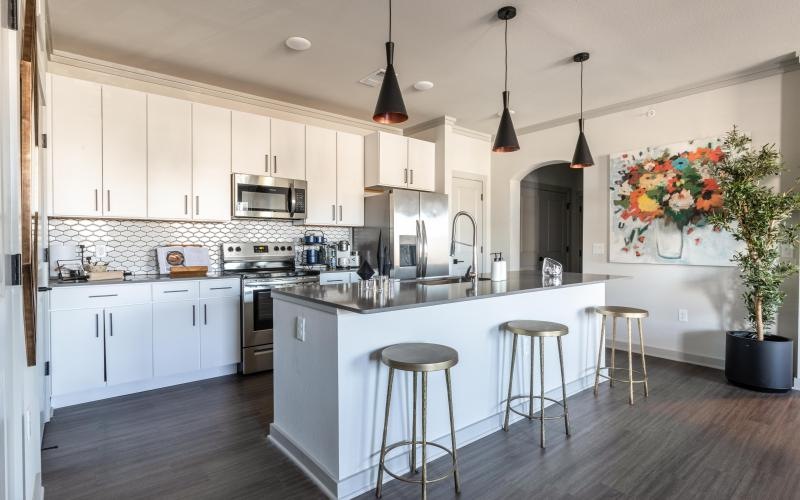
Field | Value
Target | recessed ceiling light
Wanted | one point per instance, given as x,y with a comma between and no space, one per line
298,43
423,85
500,113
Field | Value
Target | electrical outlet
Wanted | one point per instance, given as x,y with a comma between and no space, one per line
683,315
300,329
598,249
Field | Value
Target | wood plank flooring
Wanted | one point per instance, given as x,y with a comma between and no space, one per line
694,437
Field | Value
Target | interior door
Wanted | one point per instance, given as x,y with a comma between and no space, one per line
288,149
553,221
176,337
129,343
211,163
350,178
321,176
219,332
169,158
250,143
76,346
467,196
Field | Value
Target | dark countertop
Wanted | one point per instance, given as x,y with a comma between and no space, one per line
139,278
408,294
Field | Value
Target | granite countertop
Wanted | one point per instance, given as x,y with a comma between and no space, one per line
140,278
408,294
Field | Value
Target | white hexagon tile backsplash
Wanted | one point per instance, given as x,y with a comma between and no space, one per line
131,244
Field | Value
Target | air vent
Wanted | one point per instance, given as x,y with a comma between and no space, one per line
373,79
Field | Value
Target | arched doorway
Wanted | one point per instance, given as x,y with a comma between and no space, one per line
551,216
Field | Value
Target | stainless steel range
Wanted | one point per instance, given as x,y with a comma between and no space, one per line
264,266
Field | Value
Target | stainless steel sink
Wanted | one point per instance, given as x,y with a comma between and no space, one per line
449,280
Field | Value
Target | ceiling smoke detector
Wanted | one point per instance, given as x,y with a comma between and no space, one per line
423,85
373,79
298,43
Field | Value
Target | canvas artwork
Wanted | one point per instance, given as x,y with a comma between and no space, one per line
660,199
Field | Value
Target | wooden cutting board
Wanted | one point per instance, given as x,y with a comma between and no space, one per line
187,271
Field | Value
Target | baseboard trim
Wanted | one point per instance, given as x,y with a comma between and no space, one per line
683,357
796,384
364,480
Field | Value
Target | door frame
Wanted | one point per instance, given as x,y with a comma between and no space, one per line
484,180
571,199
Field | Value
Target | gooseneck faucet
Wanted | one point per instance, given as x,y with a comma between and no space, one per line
472,271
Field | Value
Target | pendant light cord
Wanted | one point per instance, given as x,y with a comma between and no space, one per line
505,84
390,20
581,94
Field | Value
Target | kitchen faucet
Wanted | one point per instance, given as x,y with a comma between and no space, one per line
472,271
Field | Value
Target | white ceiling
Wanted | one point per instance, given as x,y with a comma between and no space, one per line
638,47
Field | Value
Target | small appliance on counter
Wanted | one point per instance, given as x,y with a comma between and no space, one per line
499,267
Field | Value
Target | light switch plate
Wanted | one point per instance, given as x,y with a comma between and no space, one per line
598,248
683,315
300,329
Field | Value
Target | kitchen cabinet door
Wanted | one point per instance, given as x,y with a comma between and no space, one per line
386,160
321,176
350,178
176,337
76,350
129,343
76,147
169,158
250,143
288,144
421,165
211,163
124,153
219,332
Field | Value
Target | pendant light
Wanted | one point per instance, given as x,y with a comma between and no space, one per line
506,139
582,157
390,107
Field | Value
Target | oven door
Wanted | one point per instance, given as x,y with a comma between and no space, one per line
257,315
256,196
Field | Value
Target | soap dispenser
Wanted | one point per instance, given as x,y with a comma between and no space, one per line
499,269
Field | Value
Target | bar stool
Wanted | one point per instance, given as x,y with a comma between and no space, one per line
419,358
540,329
629,313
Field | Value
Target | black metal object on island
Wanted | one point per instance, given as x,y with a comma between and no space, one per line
365,271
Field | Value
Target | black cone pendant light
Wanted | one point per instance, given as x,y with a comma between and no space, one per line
506,139
390,107
582,157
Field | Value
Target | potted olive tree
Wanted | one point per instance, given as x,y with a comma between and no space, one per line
761,218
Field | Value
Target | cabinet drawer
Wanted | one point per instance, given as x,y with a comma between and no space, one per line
335,278
229,287
88,296
179,290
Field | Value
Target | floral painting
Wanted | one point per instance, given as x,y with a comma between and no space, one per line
660,200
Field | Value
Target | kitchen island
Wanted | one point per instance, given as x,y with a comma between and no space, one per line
330,385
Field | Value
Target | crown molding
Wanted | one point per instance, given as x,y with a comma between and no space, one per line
62,62
448,121
472,134
777,66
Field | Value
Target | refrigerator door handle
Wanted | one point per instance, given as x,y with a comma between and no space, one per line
419,251
424,250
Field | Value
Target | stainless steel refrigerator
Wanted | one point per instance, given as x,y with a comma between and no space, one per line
405,233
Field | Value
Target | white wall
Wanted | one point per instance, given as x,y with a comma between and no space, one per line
766,108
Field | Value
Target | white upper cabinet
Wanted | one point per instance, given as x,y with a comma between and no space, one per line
350,178
124,153
321,176
250,151
386,158
169,158
288,144
211,163
76,147
421,165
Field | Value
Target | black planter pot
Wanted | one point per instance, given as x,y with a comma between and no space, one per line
762,366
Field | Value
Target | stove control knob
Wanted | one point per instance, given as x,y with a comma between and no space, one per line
230,249
276,248
283,248
238,249
288,248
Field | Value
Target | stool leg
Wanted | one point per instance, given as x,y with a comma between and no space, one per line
613,350
600,353
511,380
563,384
630,363
530,393
452,430
385,428
644,363
414,428
424,441
541,387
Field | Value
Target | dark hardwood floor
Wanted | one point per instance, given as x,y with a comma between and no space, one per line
694,437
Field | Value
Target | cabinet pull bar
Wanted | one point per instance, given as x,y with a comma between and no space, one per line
111,324
175,291
266,163
193,316
220,288
186,204
340,213
97,326
104,295
335,281
197,205
412,176
333,212
405,176
108,199
95,201
205,314
275,164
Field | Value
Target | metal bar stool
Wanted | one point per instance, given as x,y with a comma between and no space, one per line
629,313
419,358
540,329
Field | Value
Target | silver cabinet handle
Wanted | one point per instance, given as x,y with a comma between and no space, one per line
108,199
412,176
220,288
333,212
340,213
205,314
193,316
175,291
266,163
275,164
262,351
186,204
96,208
197,205
405,176
335,281
111,324
104,295
97,326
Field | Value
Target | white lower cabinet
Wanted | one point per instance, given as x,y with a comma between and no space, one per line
219,332
129,343
76,350
176,337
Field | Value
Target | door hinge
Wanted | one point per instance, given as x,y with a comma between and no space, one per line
481,248
481,196
46,368
46,254
16,269
569,205
567,248
44,141
13,15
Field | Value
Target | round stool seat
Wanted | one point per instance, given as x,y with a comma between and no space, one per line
532,328
419,357
622,312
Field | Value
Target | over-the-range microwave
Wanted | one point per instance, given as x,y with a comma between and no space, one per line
264,197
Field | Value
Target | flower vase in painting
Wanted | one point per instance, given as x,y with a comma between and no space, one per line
660,201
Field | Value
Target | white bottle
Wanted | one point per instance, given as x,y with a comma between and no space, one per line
499,269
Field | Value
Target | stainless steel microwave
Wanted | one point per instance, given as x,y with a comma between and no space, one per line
263,197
